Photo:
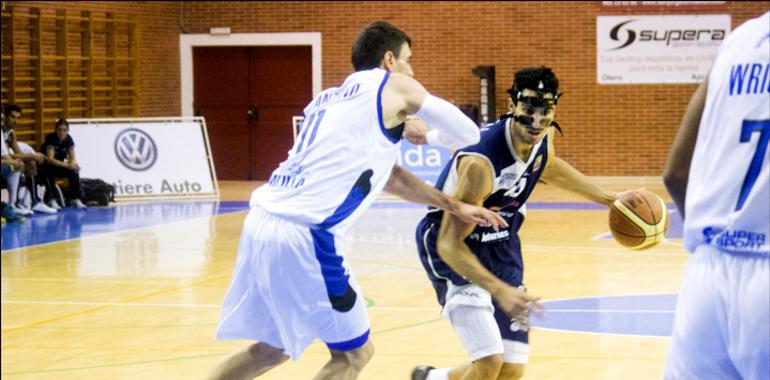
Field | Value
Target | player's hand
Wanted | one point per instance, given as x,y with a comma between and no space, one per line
39,157
517,304
479,215
17,164
415,131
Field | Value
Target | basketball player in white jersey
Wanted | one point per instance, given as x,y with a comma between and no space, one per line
291,284
718,173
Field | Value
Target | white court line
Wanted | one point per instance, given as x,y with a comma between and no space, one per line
526,248
71,303
380,308
108,233
639,311
534,327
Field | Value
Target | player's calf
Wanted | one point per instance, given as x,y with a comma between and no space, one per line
511,372
487,367
346,365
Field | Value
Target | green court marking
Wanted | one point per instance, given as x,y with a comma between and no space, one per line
404,327
369,302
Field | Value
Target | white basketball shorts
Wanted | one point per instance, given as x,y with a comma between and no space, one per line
722,322
290,286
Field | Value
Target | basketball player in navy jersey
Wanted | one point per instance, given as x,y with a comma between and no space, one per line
291,284
718,173
475,269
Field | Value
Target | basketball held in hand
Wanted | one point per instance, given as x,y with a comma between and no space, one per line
638,219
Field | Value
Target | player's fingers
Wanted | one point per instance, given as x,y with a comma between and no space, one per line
491,219
531,304
500,220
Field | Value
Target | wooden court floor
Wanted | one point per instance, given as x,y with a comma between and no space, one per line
143,303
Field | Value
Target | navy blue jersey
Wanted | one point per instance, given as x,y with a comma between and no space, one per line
499,252
60,147
514,181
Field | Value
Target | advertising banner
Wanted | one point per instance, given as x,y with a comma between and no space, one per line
424,161
147,158
657,49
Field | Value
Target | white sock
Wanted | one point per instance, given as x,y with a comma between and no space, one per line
13,187
438,374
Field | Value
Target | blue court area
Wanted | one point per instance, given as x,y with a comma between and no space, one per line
640,315
74,224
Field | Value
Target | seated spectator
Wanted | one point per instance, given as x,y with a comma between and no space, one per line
10,166
59,149
31,161
11,170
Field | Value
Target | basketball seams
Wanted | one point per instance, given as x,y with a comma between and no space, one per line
629,224
646,228
649,207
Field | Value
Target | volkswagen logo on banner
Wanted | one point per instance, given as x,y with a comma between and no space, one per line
135,149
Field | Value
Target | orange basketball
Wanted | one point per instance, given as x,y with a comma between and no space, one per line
638,219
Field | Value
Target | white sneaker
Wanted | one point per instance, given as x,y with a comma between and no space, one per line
41,207
54,204
21,211
76,203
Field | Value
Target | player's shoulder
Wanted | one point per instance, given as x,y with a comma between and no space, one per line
490,129
749,35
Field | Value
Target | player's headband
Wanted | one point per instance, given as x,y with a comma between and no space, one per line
534,98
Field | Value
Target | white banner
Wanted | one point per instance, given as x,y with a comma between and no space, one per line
657,49
146,158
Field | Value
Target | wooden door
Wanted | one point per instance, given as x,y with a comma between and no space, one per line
248,96
282,88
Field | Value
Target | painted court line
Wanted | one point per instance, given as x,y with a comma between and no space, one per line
374,308
102,306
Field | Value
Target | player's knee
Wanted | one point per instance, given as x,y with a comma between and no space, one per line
488,367
361,356
511,372
354,360
267,354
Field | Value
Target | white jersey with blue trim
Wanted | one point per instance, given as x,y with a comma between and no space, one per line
728,193
341,159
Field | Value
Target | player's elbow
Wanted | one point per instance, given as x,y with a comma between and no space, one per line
674,179
447,249
676,185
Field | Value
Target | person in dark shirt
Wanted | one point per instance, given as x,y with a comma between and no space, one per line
59,148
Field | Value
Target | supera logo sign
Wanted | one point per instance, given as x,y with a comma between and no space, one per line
626,35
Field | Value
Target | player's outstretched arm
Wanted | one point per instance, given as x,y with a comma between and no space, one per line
408,187
475,178
677,171
403,96
564,175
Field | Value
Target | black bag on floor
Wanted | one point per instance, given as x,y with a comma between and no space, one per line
97,192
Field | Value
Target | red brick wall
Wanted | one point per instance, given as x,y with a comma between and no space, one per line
158,22
609,130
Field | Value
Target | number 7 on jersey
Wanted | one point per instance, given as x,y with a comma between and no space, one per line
747,129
